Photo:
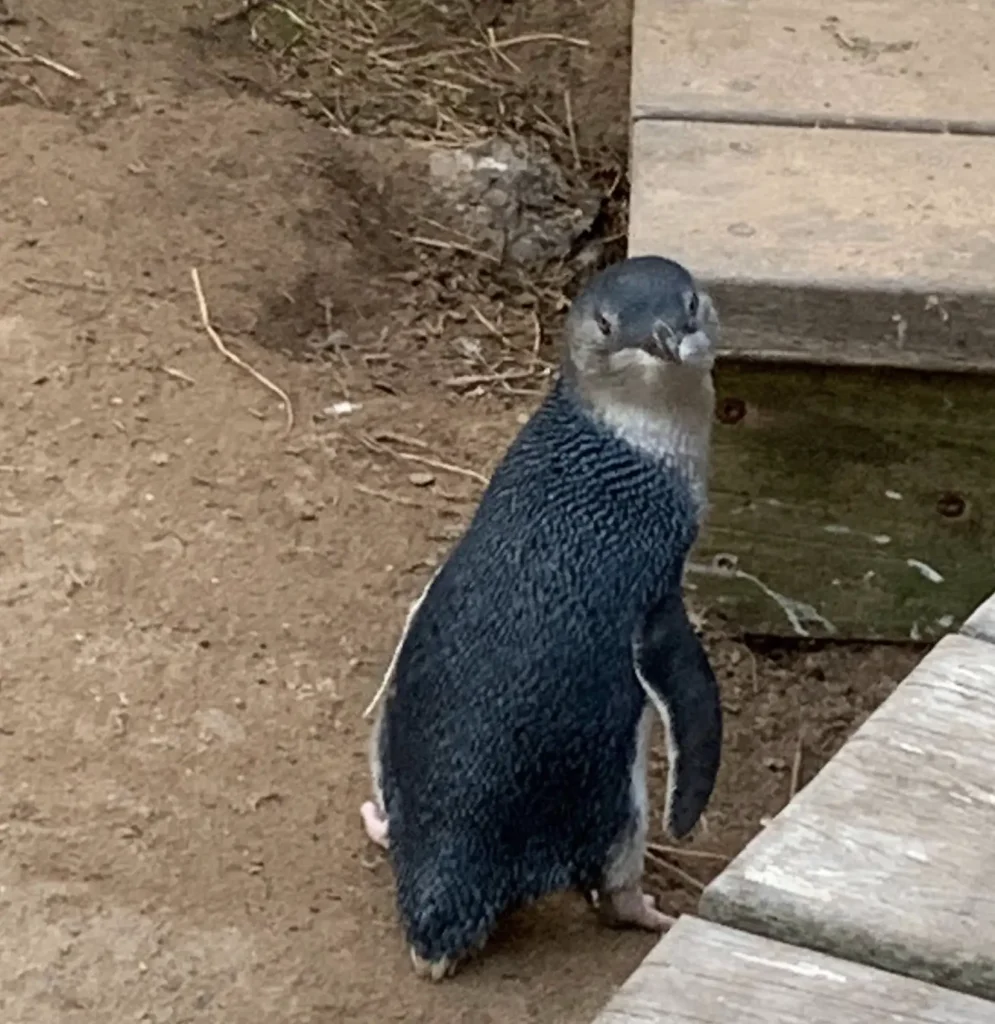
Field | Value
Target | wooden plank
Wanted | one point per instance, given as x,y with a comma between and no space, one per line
886,857
926,64
836,247
702,973
864,494
981,624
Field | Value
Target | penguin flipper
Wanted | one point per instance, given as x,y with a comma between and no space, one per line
673,668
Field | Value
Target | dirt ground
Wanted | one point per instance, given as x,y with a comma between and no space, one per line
196,606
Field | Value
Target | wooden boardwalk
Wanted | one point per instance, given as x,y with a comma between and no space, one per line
826,171
704,973
871,896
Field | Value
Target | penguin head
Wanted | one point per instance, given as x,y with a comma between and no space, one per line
645,312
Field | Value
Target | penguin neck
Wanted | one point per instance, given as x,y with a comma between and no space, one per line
663,410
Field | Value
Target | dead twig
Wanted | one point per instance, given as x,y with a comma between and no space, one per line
677,872
438,243
205,319
796,770
540,37
392,435
498,53
679,851
470,379
571,128
445,467
536,340
424,460
37,58
490,326
178,374
396,499
494,45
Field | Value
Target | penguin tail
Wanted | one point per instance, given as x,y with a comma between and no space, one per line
449,905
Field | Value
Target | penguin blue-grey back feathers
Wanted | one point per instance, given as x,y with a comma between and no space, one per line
509,751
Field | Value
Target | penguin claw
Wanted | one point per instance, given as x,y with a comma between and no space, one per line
432,970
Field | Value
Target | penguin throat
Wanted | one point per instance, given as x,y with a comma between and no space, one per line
662,410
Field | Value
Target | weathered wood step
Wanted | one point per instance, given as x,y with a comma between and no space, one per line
927,64
849,499
828,246
887,857
702,973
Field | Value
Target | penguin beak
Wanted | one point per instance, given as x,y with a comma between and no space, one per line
696,350
692,349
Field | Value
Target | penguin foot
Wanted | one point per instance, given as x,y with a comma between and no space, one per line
375,822
632,907
432,970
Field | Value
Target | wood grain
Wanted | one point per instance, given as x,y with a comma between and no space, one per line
887,62
829,246
864,494
887,857
981,625
702,973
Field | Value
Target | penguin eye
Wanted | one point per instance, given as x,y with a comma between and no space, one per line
693,305
604,324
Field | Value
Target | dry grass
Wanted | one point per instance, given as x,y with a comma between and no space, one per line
448,74
420,70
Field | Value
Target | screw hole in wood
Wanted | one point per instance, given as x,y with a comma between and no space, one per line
731,410
951,505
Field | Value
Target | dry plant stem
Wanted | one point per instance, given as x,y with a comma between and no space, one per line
392,435
396,499
438,243
35,58
469,379
537,339
446,467
571,129
490,326
796,770
171,371
496,45
205,319
678,851
677,872
498,54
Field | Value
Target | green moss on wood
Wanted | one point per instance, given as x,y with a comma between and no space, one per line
806,477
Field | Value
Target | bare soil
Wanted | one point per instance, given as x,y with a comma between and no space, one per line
195,605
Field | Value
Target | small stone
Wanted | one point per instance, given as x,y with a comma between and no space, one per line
342,408
421,479
159,458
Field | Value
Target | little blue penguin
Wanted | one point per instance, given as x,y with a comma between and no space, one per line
509,750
